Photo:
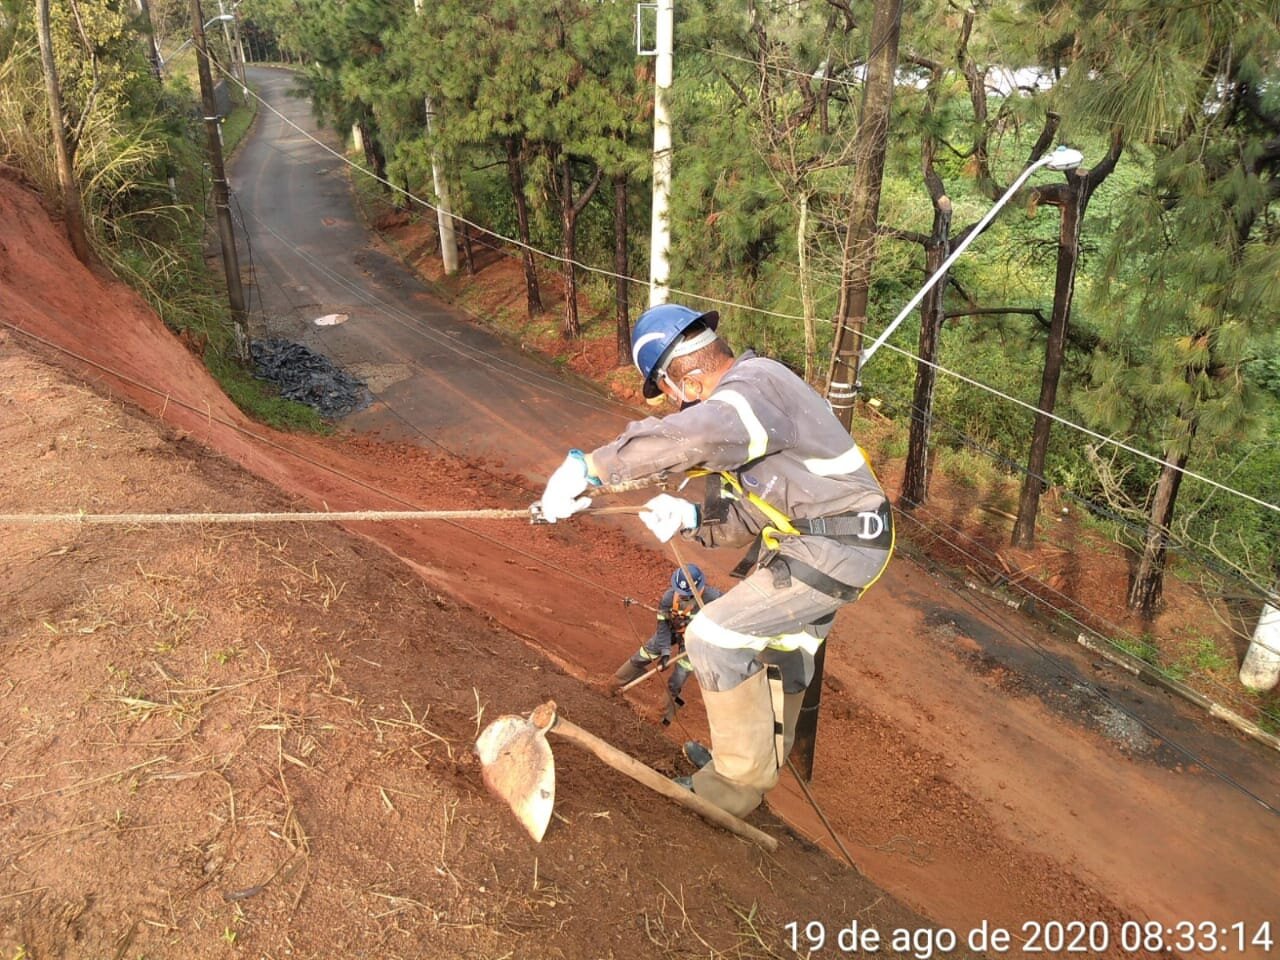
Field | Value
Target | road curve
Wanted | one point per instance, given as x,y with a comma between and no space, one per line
436,376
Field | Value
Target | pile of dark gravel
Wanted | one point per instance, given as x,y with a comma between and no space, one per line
308,377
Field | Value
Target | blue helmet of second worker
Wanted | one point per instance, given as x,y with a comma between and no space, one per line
681,583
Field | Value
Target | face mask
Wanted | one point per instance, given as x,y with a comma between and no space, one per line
683,402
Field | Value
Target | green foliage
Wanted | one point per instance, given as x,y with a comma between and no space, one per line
1143,647
131,136
263,400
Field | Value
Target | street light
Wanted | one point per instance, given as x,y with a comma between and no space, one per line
1064,158
220,18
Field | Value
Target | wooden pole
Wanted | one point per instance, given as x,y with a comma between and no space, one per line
218,174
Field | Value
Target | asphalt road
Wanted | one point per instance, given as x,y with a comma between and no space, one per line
436,376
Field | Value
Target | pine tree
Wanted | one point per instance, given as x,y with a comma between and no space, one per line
1195,275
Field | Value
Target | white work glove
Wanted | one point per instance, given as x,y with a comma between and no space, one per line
562,498
666,515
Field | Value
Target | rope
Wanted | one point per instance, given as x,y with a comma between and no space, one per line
138,519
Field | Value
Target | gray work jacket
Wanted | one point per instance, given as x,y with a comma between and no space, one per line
767,427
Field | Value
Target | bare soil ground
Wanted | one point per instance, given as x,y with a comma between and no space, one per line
222,741
228,741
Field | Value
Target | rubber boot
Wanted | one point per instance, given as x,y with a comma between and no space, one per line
633,669
791,703
745,745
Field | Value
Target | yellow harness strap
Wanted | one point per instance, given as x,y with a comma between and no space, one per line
779,522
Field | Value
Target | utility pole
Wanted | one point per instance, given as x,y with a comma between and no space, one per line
860,238
439,183
235,36
444,208
218,174
153,46
233,45
660,228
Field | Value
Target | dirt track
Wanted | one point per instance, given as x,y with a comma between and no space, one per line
966,789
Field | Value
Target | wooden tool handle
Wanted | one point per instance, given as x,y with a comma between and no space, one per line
658,783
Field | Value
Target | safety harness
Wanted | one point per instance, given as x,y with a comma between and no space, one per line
868,529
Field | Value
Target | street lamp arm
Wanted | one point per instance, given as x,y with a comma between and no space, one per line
1064,158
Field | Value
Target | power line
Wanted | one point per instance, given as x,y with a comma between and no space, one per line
627,600
1274,508
1178,543
785,316
1231,694
311,461
554,257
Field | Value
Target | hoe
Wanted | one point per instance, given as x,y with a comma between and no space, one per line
518,768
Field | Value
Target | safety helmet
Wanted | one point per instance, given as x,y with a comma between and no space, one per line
680,583
655,340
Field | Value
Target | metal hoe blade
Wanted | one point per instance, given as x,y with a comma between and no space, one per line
518,767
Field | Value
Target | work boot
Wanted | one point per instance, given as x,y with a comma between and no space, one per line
628,671
745,729
696,753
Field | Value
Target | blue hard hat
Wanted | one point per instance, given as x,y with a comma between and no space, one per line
656,334
681,585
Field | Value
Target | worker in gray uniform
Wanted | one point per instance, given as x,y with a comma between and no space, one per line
783,476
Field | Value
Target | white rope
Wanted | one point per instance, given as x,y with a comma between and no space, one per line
139,519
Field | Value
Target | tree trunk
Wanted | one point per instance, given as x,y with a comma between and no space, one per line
515,175
915,480
373,155
860,240
72,208
468,254
572,329
570,210
621,288
1148,578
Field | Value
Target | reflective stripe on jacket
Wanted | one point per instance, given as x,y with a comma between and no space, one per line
768,428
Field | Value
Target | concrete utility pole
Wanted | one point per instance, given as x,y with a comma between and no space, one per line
444,208
218,174
660,229
1260,670
153,47
233,42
